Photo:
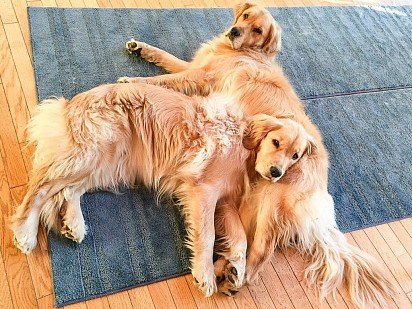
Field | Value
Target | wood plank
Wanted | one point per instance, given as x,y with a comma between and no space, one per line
391,239
129,3
104,3
12,87
274,289
91,3
366,245
117,3
402,235
20,7
77,3
223,301
181,293
7,14
161,296
407,224
120,300
37,3
23,64
5,296
297,264
390,259
98,303
81,305
49,3
46,302
244,299
15,263
38,260
63,3
291,284
12,157
140,298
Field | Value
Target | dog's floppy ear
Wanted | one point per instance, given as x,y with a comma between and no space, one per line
239,8
258,127
273,42
311,147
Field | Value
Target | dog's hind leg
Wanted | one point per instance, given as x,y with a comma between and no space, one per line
25,221
231,245
157,56
73,225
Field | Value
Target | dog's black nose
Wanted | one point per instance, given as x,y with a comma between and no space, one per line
275,172
234,32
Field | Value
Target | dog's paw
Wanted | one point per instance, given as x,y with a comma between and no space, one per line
25,242
229,278
205,282
134,46
123,80
74,230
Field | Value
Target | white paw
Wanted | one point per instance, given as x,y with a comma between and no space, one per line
25,242
205,281
134,45
123,80
74,229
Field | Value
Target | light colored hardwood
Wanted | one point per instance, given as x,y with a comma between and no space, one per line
25,281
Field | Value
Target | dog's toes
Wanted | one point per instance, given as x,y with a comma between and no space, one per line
205,282
123,80
133,46
74,232
25,243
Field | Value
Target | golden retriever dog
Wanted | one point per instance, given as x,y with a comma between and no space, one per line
297,210
201,150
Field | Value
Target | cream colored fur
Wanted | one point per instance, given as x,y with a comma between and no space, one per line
125,134
298,204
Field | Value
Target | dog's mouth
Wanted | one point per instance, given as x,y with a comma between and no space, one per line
270,178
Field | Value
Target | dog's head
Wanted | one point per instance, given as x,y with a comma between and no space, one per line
278,142
254,28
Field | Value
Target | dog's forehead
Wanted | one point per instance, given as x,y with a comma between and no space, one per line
257,13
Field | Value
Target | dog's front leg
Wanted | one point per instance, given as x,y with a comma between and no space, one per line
157,56
231,245
259,224
190,82
199,206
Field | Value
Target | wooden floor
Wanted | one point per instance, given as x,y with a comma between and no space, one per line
25,281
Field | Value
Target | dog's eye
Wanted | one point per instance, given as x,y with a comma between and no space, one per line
276,143
257,30
245,16
295,156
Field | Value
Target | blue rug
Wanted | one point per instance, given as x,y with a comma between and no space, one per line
351,66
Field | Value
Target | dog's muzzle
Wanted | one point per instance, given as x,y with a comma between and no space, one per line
275,172
234,33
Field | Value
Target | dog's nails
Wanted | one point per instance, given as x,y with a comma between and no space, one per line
197,282
234,271
219,279
226,293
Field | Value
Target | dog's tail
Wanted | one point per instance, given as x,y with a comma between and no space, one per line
334,262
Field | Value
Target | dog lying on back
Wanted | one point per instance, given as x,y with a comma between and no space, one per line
297,210
201,150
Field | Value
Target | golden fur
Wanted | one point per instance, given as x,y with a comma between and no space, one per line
124,134
296,210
